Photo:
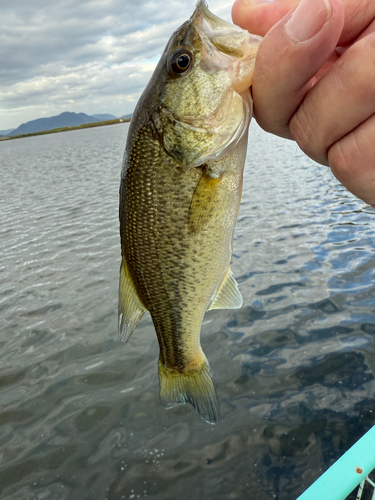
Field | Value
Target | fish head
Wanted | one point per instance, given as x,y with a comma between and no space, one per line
201,99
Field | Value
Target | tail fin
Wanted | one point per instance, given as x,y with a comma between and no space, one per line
195,387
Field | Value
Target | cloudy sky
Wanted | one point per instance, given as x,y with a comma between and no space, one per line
90,56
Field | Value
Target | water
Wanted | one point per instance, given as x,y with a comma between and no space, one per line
79,412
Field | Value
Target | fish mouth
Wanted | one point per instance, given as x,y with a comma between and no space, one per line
203,12
237,48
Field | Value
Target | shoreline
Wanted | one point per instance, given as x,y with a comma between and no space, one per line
66,129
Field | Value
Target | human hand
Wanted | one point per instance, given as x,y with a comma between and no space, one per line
314,81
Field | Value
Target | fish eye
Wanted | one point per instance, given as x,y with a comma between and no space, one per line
181,61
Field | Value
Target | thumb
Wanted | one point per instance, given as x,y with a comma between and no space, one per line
290,55
258,16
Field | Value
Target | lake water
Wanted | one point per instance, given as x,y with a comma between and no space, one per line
80,417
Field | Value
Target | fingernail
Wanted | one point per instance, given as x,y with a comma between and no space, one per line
308,19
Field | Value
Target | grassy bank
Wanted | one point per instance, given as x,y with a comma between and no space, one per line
66,129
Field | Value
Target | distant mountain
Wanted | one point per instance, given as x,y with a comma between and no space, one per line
104,117
126,117
66,119
6,132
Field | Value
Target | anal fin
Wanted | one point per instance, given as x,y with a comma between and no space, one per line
130,306
228,295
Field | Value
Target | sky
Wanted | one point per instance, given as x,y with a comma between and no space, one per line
89,56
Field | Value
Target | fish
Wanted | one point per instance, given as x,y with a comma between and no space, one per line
180,192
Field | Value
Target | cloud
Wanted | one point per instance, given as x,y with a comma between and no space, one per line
82,55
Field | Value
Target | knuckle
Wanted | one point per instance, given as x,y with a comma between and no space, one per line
348,157
351,162
300,128
340,163
338,102
305,131
356,68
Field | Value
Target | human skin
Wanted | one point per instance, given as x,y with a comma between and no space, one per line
314,81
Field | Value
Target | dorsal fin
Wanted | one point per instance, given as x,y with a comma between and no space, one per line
130,306
229,295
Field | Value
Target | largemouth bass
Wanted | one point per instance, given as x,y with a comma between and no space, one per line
180,192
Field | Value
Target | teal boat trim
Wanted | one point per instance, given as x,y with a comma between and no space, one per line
345,474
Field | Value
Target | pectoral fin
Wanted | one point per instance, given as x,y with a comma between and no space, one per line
130,306
229,295
208,198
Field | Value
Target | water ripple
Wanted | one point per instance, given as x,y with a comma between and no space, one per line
80,416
